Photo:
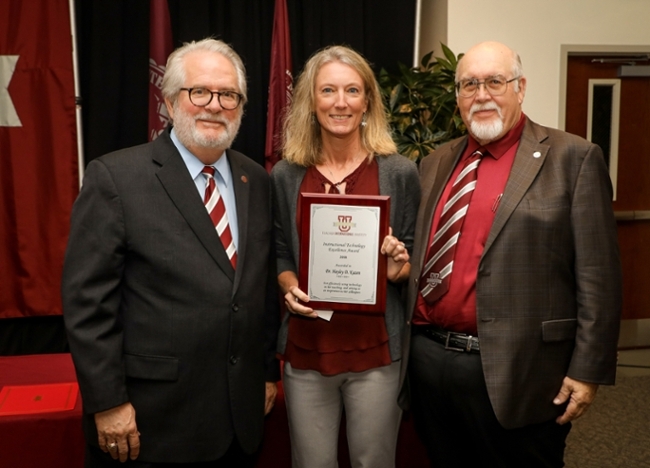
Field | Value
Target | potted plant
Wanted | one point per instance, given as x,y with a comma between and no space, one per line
421,104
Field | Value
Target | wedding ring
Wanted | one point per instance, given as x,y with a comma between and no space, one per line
112,446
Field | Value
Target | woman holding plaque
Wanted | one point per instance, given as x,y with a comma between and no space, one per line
337,141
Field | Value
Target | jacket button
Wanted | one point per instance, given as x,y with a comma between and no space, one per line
233,360
415,280
235,308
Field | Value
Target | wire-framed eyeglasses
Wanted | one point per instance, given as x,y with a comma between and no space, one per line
201,97
495,85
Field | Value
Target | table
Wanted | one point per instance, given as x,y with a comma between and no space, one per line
52,440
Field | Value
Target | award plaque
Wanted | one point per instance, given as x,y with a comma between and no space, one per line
341,265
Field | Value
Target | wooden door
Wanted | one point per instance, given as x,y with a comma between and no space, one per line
627,149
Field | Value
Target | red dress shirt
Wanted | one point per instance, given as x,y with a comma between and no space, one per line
456,310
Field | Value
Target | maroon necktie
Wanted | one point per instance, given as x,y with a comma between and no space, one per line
217,211
436,273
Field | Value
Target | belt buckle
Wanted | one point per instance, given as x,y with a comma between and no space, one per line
466,349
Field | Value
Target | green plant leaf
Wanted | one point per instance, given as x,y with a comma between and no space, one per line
451,57
426,59
421,104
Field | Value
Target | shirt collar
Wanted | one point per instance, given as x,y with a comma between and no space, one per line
195,166
499,147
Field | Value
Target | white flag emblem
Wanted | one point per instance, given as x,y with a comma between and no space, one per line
8,116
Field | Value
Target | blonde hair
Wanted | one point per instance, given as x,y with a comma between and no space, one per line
302,142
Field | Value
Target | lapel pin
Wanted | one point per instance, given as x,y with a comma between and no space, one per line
244,179
536,154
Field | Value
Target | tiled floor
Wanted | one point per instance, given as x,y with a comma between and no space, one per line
634,362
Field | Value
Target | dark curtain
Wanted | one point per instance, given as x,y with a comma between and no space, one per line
113,54
113,48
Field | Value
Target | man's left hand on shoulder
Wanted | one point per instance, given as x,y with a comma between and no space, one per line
579,394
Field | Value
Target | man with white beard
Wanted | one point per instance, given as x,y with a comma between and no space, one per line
169,284
515,285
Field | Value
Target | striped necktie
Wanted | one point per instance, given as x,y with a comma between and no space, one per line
436,274
217,211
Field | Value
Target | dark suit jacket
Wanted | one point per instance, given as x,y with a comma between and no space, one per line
548,288
155,313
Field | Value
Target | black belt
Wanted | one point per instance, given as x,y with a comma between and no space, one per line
451,340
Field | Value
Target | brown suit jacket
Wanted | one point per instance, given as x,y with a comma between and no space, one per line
548,288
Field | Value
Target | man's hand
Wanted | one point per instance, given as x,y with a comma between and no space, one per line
580,395
271,393
117,432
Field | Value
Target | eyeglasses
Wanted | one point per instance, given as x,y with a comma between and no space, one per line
201,97
495,85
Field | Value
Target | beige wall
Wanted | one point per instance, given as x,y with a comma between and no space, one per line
538,30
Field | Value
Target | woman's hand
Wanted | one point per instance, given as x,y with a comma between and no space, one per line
294,297
397,256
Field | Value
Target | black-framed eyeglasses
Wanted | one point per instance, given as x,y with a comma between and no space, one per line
201,97
495,85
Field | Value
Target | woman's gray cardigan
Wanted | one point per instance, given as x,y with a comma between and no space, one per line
398,178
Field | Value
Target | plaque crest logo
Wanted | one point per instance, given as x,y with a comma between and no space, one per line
345,223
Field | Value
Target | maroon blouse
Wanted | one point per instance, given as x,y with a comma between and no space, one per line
349,342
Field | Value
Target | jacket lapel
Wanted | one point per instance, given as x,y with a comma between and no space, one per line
434,182
178,184
241,183
529,159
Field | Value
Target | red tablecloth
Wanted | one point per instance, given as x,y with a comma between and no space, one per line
48,440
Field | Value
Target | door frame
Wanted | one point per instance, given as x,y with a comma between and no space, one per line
584,49
635,332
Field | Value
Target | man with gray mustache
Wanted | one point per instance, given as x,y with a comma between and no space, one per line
169,285
515,285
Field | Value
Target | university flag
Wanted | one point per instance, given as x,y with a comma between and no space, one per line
280,83
160,46
38,153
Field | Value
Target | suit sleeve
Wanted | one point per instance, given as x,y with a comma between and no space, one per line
272,315
91,290
597,272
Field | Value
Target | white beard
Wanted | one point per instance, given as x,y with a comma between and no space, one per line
189,135
488,131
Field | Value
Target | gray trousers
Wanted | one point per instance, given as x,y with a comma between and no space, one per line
314,406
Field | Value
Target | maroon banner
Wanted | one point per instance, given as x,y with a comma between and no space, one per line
160,46
280,83
38,153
